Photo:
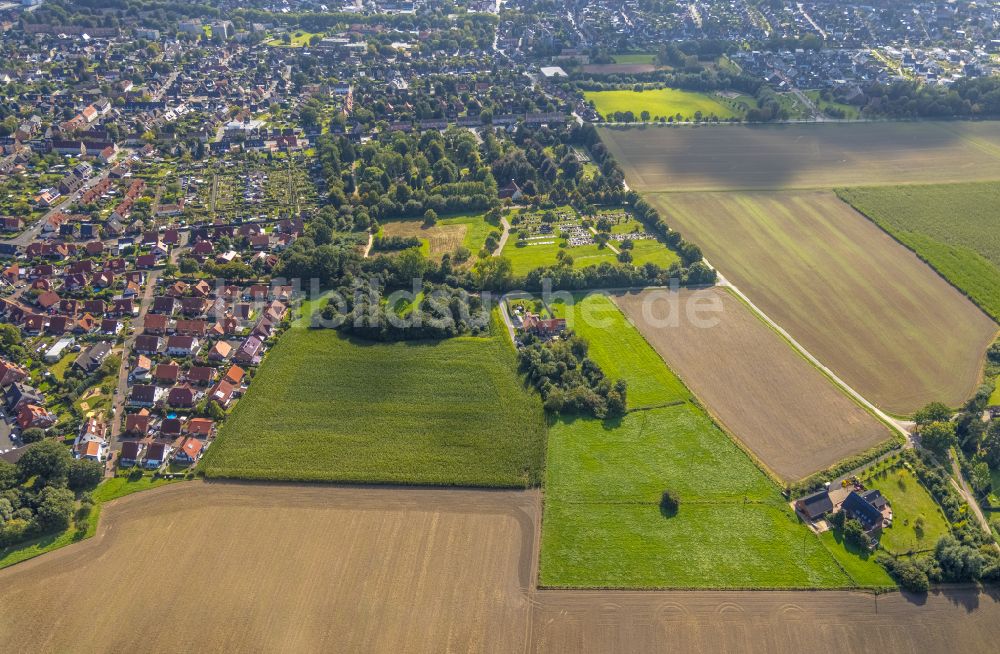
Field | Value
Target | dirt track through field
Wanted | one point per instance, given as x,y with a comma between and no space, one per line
778,404
857,300
265,568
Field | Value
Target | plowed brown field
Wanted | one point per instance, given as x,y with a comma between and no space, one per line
265,568
857,300
778,404
804,156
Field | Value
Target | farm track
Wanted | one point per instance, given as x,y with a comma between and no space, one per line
777,403
298,568
848,292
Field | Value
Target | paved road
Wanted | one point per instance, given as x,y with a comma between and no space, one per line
503,237
31,234
122,388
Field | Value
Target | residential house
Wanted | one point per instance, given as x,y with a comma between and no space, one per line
137,424
182,345
181,397
190,451
131,453
33,415
91,358
90,442
156,455
250,351
143,395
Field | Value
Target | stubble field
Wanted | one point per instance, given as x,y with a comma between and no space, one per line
860,302
266,568
804,156
259,568
778,404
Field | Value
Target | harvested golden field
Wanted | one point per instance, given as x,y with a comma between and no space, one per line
790,415
266,568
269,568
804,156
857,300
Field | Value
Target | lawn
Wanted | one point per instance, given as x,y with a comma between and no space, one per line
660,102
635,58
300,39
850,111
602,524
954,227
909,501
327,408
850,294
59,368
524,258
859,564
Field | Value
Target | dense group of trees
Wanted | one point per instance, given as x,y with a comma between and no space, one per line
966,98
39,494
438,311
570,381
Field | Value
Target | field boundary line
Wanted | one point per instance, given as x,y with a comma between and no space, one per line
927,262
885,418
696,402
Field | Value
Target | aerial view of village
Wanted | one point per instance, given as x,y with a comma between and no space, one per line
499,326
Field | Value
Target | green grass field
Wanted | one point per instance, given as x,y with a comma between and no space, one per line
909,501
300,39
622,353
326,408
954,227
660,102
602,524
525,258
635,58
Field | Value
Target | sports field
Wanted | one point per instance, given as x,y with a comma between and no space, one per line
778,404
602,525
804,156
272,568
659,102
856,299
954,227
327,408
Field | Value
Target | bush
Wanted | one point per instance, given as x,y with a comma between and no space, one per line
670,503
907,574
